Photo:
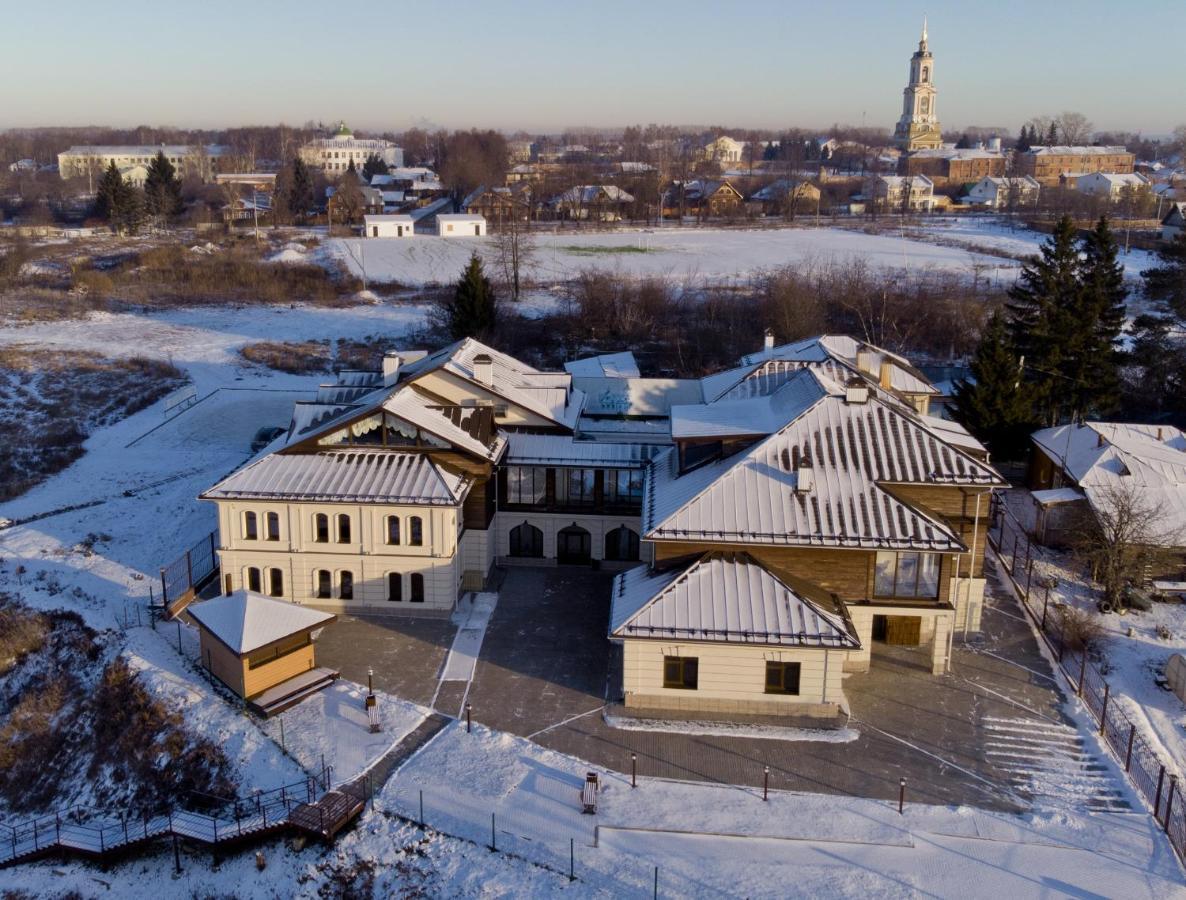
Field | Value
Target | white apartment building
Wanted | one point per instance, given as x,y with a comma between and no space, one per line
334,154
89,160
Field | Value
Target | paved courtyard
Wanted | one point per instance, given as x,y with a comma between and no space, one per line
991,733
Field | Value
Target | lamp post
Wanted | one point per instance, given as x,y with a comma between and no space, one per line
372,705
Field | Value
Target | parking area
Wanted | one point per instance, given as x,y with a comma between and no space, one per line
992,733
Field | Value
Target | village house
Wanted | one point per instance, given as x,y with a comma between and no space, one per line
1174,222
335,153
1052,165
1004,193
785,197
723,149
591,202
499,204
1093,466
741,497
895,193
703,199
1109,186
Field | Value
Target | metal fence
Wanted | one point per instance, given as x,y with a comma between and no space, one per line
190,570
1149,774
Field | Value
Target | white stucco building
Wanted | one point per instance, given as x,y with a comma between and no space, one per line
388,226
335,153
89,160
460,225
1001,193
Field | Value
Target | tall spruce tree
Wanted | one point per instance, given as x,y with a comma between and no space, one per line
472,311
1157,364
1052,134
1025,139
1166,284
993,404
109,192
162,188
301,196
373,166
1093,369
1041,308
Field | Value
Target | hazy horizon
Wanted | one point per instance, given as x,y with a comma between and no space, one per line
530,66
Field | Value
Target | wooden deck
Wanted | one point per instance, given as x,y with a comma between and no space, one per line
328,815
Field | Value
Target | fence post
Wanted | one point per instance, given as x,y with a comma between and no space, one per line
1169,802
901,795
176,851
1029,573
1045,603
1157,797
765,782
1082,672
421,808
189,571
164,594
656,895
634,770
1104,711
1132,734
572,859
493,835
179,638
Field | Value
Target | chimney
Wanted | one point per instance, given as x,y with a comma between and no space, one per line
886,375
391,362
1159,433
867,361
768,342
484,369
1099,439
805,476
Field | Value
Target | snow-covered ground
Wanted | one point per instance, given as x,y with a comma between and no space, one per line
1133,653
687,255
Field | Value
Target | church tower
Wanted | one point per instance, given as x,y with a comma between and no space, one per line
918,129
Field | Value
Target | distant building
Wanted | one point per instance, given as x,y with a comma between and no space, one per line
460,225
385,226
1103,184
1001,193
898,192
951,165
785,196
1053,164
335,153
724,149
591,202
89,160
918,128
1174,223
703,199
499,204
23,165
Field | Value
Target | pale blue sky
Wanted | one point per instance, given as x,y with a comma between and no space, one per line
551,65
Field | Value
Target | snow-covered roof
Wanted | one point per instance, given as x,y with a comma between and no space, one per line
854,448
636,396
143,149
246,621
726,597
607,365
1101,457
460,217
1065,150
758,415
956,153
525,449
1058,495
379,476
844,349
389,219
593,193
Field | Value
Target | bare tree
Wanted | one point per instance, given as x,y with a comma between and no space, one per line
515,249
1125,534
1074,128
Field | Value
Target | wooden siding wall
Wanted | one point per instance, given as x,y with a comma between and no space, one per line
218,659
270,674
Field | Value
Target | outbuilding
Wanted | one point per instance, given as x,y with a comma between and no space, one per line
460,225
262,648
388,226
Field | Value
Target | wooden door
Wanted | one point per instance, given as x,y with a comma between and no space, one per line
903,630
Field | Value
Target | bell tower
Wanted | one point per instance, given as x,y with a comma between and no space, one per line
918,129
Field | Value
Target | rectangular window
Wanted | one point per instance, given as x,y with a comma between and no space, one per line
273,520
526,485
343,529
276,582
346,585
681,672
395,587
574,487
393,530
416,531
323,584
321,528
417,588
250,527
623,487
909,575
254,582
782,677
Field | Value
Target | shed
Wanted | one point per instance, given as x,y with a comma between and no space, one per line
388,226
460,225
262,648
1056,513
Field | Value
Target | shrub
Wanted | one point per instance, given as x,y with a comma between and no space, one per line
1081,629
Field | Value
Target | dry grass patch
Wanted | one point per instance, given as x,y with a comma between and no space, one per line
296,358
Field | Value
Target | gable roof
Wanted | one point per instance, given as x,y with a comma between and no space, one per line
854,450
246,621
379,476
725,597
605,365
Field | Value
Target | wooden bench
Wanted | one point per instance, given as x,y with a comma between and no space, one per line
589,794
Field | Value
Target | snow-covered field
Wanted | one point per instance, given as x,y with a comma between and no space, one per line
687,255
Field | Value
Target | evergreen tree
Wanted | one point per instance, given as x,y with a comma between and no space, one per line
1052,134
108,193
162,188
963,143
1024,140
472,311
1041,308
1094,365
1157,361
1166,284
300,199
993,404
351,170
372,167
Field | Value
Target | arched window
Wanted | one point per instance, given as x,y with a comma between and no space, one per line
250,527
254,582
273,520
276,582
417,588
416,531
527,540
924,105
346,585
395,587
926,74
321,528
343,528
393,530
324,584
573,545
621,545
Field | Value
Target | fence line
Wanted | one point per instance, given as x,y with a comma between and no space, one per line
190,570
1148,773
